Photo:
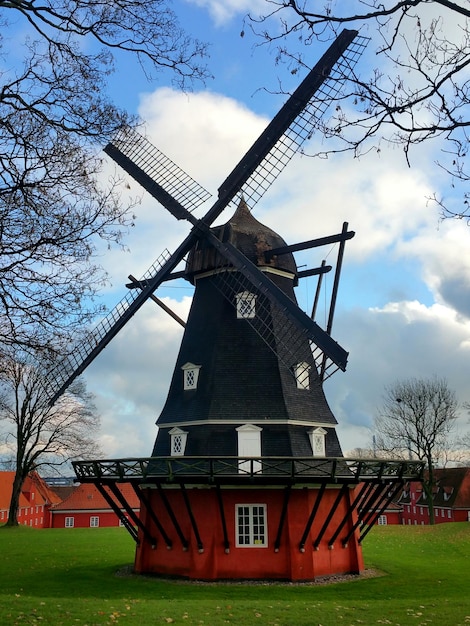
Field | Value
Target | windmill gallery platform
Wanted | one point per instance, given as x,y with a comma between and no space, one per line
246,479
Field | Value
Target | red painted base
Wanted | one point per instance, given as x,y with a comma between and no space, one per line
214,562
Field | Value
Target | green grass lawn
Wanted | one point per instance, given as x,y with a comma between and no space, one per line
65,577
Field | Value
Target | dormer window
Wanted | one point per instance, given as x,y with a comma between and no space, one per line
246,305
317,441
190,376
302,375
178,439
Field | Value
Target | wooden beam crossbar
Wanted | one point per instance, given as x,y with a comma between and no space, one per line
312,243
146,503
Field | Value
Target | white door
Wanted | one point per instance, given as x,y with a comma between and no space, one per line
249,445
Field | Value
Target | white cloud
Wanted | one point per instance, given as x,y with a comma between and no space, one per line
402,340
223,11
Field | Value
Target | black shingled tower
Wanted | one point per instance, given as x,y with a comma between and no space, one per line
241,379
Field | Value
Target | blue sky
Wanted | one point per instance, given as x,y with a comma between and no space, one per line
403,308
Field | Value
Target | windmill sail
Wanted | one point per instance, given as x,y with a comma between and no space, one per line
256,171
296,121
162,178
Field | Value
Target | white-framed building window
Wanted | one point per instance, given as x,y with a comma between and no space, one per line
317,441
382,520
251,528
178,440
69,522
249,445
302,375
190,376
246,305
94,521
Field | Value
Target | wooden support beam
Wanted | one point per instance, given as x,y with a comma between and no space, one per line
192,519
342,492
222,519
135,518
277,542
375,491
179,532
127,525
348,514
144,501
311,517
395,489
160,303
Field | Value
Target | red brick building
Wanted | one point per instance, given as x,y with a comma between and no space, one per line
451,498
35,503
86,507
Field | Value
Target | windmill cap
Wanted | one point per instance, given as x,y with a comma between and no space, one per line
249,236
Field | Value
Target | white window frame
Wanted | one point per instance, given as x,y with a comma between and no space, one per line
382,520
246,305
249,433
178,439
94,521
302,375
318,441
251,526
190,376
69,522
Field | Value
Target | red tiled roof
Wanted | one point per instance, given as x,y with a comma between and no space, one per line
87,497
33,484
49,495
456,481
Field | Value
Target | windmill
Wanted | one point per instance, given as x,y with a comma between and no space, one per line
251,362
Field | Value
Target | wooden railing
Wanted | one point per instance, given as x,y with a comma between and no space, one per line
259,470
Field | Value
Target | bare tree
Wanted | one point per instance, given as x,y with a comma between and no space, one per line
416,421
38,434
418,90
54,117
